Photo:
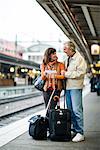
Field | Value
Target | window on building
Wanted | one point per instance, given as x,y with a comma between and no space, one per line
29,57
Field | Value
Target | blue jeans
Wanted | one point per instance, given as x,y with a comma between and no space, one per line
74,103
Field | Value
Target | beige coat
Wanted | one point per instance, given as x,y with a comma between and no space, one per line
75,72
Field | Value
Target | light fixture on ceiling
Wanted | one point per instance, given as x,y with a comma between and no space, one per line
95,49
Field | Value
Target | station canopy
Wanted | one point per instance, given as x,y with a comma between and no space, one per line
18,62
78,19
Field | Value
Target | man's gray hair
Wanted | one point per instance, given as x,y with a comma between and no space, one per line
71,45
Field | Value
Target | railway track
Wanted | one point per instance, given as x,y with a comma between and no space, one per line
19,97
7,119
20,108
16,104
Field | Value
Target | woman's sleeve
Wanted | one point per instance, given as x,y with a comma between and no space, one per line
42,72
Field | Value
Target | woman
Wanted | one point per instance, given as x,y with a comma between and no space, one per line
51,72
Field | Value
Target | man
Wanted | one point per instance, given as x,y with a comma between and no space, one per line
76,69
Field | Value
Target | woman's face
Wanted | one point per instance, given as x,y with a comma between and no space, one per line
53,56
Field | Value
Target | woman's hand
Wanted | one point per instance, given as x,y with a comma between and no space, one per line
63,72
52,76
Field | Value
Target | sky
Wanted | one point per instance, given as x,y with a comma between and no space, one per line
27,20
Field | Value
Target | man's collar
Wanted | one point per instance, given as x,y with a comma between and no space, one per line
73,54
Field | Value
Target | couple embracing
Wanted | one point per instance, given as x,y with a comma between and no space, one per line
73,69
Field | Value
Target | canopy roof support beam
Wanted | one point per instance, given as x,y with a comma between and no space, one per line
88,19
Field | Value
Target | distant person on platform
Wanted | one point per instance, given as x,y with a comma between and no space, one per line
76,70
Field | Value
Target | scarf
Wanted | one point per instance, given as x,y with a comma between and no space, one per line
51,83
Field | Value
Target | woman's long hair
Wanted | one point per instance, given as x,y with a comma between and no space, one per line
47,55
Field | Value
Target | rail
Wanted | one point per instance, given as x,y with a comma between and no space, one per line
7,92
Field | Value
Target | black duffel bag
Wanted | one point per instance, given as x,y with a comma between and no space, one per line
39,124
38,127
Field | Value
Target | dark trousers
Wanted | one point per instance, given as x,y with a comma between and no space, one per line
47,94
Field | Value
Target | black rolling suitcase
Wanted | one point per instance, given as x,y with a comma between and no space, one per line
39,124
60,124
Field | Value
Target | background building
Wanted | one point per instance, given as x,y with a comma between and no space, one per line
11,48
35,52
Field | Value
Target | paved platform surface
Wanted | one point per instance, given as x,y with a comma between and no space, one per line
91,104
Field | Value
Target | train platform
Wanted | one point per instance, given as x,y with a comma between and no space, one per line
15,136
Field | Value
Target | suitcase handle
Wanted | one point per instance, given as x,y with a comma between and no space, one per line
49,102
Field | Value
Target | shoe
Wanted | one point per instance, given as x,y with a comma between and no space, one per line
78,138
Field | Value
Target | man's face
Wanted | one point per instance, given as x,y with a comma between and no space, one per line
67,50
